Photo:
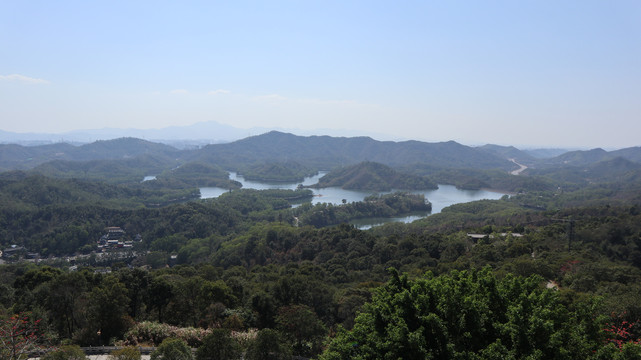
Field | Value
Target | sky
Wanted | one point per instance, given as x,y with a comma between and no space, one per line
530,73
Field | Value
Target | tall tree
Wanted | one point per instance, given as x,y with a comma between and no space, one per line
62,302
471,315
219,345
108,309
159,294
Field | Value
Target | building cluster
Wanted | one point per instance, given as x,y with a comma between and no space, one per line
16,252
115,238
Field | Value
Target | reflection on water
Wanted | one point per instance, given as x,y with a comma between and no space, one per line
440,198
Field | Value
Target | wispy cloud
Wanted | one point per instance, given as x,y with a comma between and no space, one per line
219,91
179,91
24,79
270,97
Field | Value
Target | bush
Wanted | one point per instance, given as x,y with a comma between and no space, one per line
126,353
172,349
66,352
155,333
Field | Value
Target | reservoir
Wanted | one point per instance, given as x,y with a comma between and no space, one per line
444,196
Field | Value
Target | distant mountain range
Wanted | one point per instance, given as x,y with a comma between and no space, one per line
133,155
19,157
196,134
325,152
182,137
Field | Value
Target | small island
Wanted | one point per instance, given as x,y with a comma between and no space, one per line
388,205
373,176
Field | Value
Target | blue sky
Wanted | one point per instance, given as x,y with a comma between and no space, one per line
538,73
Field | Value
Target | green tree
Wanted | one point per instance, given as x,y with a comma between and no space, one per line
268,345
172,349
471,315
64,294
66,352
108,309
219,345
303,327
159,294
137,281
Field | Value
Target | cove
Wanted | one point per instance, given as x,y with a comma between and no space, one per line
440,198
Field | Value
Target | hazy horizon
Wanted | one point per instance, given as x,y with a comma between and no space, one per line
528,74
91,135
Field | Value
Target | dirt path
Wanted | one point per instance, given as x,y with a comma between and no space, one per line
517,171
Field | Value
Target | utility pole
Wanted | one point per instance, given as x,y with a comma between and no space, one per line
570,230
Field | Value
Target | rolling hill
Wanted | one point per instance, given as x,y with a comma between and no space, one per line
375,177
18,157
325,152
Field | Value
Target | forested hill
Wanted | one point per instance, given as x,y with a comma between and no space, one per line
312,152
374,176
21,191
589,157
18,157
509,152
328,152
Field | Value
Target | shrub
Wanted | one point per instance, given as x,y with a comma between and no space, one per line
156,333
126,353
172,349
66,352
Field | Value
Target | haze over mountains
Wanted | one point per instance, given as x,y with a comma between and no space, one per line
322,152
316,152
201,133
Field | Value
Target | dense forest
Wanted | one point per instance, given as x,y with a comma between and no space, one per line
375,177
550,272
289,171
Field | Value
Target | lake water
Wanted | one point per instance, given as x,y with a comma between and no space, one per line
444,196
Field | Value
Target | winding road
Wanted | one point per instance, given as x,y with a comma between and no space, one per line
517,171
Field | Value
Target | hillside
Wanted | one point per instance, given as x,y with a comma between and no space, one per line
194,174
576,158
509,152
290,171
325,152
609,170
375,177
121,148
131,170
21,191
631,153
277,156
18,157
545,153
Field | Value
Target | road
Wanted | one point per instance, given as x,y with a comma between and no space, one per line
517,171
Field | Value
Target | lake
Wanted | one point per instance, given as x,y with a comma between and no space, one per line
444,196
